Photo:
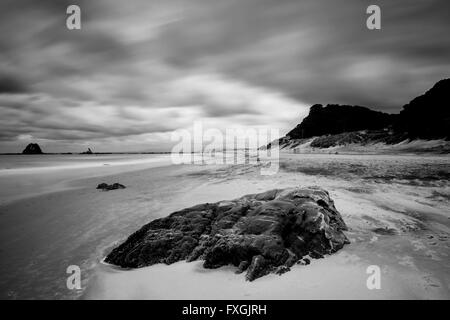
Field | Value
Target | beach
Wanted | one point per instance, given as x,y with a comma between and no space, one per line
396,207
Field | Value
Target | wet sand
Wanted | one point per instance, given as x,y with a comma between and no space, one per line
397,209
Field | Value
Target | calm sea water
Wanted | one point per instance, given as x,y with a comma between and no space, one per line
51,216
25,175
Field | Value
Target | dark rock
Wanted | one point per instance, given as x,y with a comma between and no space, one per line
428,116
335,119
32,148
107,187
89,151
242,267
385,231
102,186
425,117
304,261
282,269
117,186
257,233
258,267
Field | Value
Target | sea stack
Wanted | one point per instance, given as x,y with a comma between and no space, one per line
89,151
32,148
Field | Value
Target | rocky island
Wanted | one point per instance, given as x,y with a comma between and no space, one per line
32,148
257,233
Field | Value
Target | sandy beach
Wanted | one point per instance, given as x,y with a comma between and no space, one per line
396,208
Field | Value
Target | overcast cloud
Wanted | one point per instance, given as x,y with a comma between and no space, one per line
139,69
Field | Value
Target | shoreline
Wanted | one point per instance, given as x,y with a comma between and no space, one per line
421,284
23,182
102,220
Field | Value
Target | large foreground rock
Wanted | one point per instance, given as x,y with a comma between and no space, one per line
258,233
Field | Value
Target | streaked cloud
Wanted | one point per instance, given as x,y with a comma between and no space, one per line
140,69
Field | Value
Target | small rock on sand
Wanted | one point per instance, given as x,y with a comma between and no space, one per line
108,187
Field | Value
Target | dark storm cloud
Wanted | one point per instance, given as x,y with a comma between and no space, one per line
39,116
144,66
218,111
9,84
320,51
39,48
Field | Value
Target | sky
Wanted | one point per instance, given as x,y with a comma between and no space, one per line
140,69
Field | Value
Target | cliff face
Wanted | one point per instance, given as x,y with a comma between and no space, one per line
425,117
32,148
428,116
335,119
